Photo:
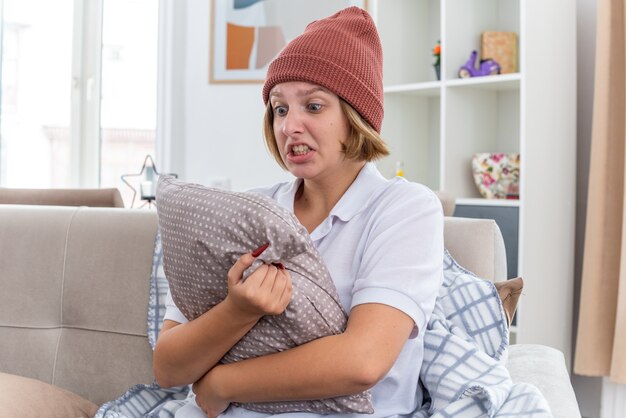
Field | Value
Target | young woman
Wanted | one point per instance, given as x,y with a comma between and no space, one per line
382,241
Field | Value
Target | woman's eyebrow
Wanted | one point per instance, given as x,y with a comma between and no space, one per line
275,94
302,92
314,90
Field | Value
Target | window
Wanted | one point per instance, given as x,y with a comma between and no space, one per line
129,88
36,93
78,99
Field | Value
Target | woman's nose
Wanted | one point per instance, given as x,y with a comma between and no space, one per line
292,123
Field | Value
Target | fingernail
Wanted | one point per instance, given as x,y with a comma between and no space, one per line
279,265
259,250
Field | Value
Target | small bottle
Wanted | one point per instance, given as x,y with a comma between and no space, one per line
399,169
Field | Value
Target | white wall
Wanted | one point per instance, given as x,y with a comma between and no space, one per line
217,130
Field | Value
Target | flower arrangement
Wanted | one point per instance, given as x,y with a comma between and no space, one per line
496,175
437,54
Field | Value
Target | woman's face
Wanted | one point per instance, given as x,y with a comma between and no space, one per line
310,129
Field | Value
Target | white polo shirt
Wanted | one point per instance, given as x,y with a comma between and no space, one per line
382,243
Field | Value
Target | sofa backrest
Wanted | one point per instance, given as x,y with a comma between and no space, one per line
73,305
74,292
62,197
477,245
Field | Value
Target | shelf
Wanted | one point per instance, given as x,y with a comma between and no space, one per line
503,82
426,89
436,126
513,203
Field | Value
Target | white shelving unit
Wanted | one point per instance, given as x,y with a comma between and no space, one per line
435,126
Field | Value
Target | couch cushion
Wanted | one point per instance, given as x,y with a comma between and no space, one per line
545,368
510,292
24,397
205,230
75,290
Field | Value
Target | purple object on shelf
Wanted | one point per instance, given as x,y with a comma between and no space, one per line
485,67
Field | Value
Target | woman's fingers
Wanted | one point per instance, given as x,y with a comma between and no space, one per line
242,294
260,250
235,273
281,291
267,291
267,283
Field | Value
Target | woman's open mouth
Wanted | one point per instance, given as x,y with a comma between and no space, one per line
300,153
300,150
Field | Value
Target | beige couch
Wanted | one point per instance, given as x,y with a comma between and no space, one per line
103,198
74,298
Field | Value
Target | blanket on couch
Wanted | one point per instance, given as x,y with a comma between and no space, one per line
465,351
463,373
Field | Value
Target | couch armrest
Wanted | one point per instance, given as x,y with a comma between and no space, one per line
544,367
477,245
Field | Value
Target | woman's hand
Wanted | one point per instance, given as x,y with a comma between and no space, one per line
207,399
267,291
186,352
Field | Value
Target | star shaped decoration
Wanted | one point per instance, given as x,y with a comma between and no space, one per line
148,180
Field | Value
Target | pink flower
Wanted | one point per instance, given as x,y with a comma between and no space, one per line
488,180
497,157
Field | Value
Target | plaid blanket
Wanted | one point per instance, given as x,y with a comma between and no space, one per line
463,374
465,351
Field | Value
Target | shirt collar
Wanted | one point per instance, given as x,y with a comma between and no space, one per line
359,193
353,200
285,196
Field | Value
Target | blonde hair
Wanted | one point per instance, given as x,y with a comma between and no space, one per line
363,144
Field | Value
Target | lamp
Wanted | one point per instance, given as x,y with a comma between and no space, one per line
147,182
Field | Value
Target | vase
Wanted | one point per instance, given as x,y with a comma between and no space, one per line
496,175
437,71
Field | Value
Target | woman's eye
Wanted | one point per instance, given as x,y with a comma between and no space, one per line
314,107
280,110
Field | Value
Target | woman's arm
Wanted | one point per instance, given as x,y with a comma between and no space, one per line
185,352
327,367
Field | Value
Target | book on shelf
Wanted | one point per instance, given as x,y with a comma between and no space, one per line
501,47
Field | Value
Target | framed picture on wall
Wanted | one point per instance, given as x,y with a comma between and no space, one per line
246,35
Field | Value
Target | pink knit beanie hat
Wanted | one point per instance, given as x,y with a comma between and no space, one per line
342,53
